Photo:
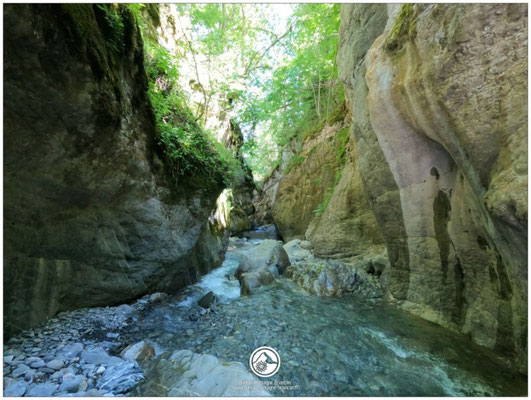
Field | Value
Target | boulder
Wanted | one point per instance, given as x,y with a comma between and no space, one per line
239,221
183,373
269,253
138,352
296,252
207,300
333,278
250,281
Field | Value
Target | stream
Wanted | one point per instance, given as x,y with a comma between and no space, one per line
344,346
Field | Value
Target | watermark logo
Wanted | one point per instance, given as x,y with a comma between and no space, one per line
264,362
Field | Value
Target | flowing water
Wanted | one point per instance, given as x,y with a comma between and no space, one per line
328,346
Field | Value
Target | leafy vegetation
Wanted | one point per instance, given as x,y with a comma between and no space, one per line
270,67
190,149
302,93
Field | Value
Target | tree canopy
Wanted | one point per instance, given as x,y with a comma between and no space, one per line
270,66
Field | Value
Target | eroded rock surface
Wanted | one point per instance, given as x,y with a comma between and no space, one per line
93,216
184,373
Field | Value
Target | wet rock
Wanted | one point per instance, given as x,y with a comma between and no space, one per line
42,390
158,297
55,364
268,253
138,352
8,359
99,356
120,378
207,300
251,281
16,389
184,373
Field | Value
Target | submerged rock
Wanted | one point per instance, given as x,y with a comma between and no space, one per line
184,373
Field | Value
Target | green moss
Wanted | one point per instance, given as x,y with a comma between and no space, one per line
188,149
293,162
341,144
403,29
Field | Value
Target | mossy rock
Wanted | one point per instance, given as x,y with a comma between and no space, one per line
403,29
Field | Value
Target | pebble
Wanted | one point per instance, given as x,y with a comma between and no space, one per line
100,370
20,370
38,364
17,389
73,384
31,360
55,364
42,390
8,359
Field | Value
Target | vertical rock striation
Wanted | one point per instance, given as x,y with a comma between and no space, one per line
92,214
440,116
436,174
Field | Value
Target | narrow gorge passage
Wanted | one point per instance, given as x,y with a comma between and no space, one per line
265,200
346,346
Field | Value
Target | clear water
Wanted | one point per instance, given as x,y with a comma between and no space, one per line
328,346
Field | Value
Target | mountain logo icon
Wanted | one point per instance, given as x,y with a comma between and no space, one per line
264,362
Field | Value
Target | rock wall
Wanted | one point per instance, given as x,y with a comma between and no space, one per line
306,181
91,213
440,107
436,175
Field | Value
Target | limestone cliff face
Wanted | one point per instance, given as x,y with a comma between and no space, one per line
440,117
306,181
92,216
436,174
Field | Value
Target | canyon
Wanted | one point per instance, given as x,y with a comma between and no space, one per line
405,209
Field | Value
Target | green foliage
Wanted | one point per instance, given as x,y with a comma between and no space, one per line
403,29
190,150
114,32
302,93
